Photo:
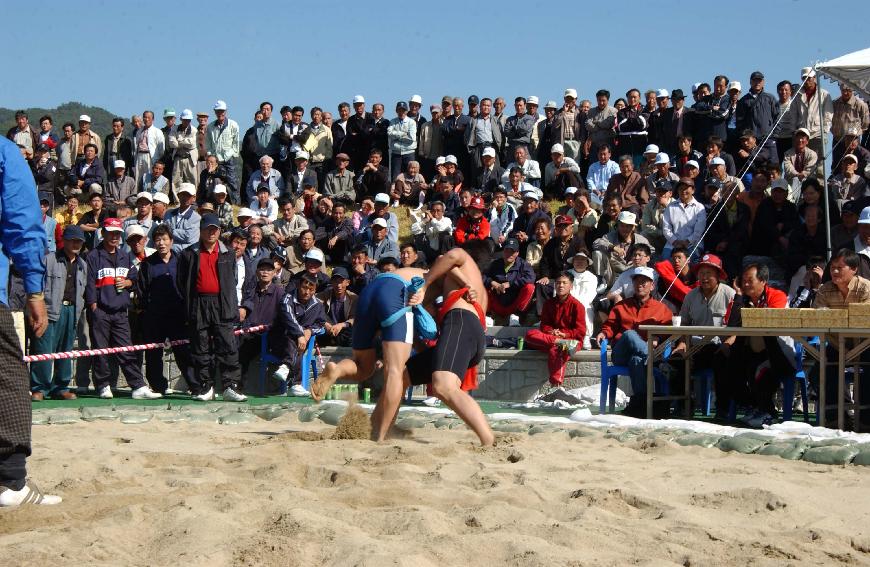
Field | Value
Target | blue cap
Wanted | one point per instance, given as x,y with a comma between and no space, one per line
209,220
402,105
340,272
512,243
73,232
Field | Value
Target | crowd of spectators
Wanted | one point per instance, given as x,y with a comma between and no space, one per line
587,221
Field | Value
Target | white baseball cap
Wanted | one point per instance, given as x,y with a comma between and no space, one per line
168,112
551,104
717,161
314,254
571,92
693,163
651,149
488,152
187,114
662,93
135,230
532,100
382,198
379,222
220,105
245,212
779,184
188,188
440,160
358,99
864,217
662,158
84,118
451,159
220,188
416,98
557,149
735,86
145,195
627,217
809,72
644,271
803,131
570,190
531,194
160,197
851,157
302,154
695,87
119,164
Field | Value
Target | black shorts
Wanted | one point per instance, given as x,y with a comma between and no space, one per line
461,345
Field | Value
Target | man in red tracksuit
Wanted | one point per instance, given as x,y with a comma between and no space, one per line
472,225
563,326
675,277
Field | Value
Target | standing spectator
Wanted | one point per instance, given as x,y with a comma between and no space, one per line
374,177
168,130
631,126
652,220
601,123
184,221
45,174
317,141
360,128
454,130
23,134
676,122
149,145
850,113
656,119
65,280
185,155
518,128
568,126
806,115
713,113
684,221
510,282
757,111
484,131
563,327
117,146
402,133
65,157
339,129
430,144
162,308
628,344
339,304
107,294
222,140
600,172
545,133
207,282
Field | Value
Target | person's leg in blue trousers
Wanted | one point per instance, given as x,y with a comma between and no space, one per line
630,350
65,335
40,372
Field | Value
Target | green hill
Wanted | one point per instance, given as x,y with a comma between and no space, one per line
101,119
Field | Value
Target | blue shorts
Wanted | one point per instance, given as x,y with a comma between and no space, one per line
378,301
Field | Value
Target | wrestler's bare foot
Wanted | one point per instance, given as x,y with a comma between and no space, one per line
324,382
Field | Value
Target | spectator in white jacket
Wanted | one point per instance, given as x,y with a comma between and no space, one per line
148,146
265,208
584,290
402,135
531,168
684,220
433,232
600,173
501,216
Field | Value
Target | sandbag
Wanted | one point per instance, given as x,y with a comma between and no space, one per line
270,412
863,456
333,414
198,417
581,432
791,450
133,418
409,423
510,427
621,436
172,416
310,413
745,444
831,455
96,413
237,418
833,442
705,440
64,418
444,422
39,418
542,428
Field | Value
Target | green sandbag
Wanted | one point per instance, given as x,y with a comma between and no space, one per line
96,413
270,412
457,424
444,422
833,442
409,423
39,418
172,416
581,432
705,440
621,436
310,413
863,456
791,450
333,414
542,428
199,417
510,427
134,418
831,455
237,418
745,444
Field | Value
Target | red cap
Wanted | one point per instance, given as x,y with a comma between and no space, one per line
563,219
113,225
477,203
712,261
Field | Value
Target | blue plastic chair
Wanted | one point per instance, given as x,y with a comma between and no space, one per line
610,372
307,368
788,387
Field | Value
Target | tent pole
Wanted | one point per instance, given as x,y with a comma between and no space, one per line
824,135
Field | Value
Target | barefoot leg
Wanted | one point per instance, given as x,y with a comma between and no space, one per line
358,368
446,386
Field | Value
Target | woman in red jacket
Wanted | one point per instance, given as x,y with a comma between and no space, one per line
472,225
563,326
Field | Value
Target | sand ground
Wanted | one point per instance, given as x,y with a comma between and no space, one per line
283,493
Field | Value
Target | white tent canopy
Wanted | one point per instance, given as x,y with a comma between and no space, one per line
852,69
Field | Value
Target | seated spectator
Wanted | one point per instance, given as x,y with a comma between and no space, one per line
728,232
297,251
184,220
623,288
681,161
584,216
279,260
223,209
509,281
410,258
527,218
806,282
120,188
154,182
313,263
302,176
447,193
433,233
264,207
516,186
648,164
501,216
490,174
303,316
92,221
382,211
378,244
684,220
811,195
287,229
339,305
261,305
676,278
472,225
715,151
563,328
542,231
267,177
339,183
742,379
388,264
306,203
209,178
562,172
600,172
245,216
775,219
610,252
807,239
70,213
717,168
661,174
584,289
530,169
375,178
451,165
629,186
845,232
748,151
628,344
556,257
257,249
337,235
652,220
361,270
409,188
611,208
88,169
142,217
800,161
322,214
847,185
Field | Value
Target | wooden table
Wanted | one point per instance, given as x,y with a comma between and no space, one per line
708,333
845,358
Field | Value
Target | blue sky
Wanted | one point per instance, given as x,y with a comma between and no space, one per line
135,55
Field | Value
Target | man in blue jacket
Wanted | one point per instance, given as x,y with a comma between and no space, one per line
509,282
107,295
23,240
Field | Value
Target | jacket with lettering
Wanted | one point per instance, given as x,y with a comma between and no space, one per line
103,268
297,317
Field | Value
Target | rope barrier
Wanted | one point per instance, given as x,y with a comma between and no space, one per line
132,348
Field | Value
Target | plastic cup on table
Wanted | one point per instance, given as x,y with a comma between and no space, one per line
717,321
677,320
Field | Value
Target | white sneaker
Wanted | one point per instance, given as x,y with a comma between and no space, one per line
298,391
106,393
206,397
513,321
30,494
432,402
231,395
282,373
145,393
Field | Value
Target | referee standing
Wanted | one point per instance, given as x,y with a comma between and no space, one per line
22,239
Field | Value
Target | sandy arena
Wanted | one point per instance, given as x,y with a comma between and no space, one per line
285,493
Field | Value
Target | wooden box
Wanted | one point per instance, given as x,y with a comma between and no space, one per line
825,318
